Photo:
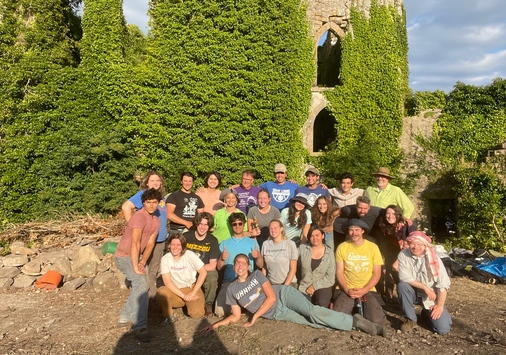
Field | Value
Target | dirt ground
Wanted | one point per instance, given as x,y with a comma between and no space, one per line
84,322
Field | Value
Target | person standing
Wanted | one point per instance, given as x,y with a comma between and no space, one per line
346,194
312,189
205,246
423,280
385,194
131,256
246,191
210,194
183,205
280,190
153,180
358,270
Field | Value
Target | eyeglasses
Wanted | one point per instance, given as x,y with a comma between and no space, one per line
235,224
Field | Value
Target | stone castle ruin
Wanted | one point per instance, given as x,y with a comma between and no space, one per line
330,23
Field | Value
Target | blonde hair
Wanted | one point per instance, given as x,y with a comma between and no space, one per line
283,234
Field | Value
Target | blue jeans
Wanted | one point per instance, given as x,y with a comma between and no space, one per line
329,239
135,309
408,297
294,307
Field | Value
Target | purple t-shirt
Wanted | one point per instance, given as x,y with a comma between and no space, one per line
247,198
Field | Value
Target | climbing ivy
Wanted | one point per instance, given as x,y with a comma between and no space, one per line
368,106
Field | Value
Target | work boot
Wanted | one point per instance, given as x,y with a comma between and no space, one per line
142,335
368,327
408,325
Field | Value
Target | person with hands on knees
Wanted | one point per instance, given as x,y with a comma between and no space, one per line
423,280
358,270
317,269
132,254
253,292
238,243
179,270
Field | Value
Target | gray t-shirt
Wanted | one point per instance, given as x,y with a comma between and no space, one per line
264,219
277,258
250,294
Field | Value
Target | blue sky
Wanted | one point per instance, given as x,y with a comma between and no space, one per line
449,40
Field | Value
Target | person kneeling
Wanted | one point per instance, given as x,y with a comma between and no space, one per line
423,279
179,268
255,293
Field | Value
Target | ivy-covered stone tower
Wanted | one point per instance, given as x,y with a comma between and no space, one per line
331,21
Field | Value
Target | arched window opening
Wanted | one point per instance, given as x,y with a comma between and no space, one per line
324,131
329,60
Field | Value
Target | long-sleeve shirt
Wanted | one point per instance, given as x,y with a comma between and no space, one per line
321,277
390,195
416,268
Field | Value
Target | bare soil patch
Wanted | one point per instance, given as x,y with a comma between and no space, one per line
83,321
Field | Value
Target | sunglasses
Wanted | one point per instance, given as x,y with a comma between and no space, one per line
235,224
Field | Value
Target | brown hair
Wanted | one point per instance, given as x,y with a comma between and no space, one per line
323,219
181,238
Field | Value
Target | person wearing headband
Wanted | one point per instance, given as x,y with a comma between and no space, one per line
423,280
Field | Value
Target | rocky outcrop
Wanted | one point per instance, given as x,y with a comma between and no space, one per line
80,264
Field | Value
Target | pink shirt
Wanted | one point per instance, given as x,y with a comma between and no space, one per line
149,224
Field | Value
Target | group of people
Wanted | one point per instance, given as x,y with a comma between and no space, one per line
308,254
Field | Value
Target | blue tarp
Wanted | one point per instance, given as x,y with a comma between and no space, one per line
496,267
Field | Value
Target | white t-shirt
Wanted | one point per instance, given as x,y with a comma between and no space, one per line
183,272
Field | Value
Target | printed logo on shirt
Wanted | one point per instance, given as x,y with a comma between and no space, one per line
280,195
190,209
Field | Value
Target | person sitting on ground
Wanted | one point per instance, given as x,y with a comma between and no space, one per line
280,256
238,243
423,280
296,219
317,269
346,194
179,270
281,190
205,246
210,194
259,217
222,229
153,180
253,292
313,189
395,232
323,215
358,270
132,254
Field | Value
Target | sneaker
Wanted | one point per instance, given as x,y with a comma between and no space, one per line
209,310
408,325
169,320
142,335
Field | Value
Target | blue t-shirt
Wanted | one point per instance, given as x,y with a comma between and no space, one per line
312,194
161,213
244,245
280,194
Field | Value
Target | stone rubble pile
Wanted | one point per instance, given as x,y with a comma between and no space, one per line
81,264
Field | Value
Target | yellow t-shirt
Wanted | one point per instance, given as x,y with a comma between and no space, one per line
358,262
